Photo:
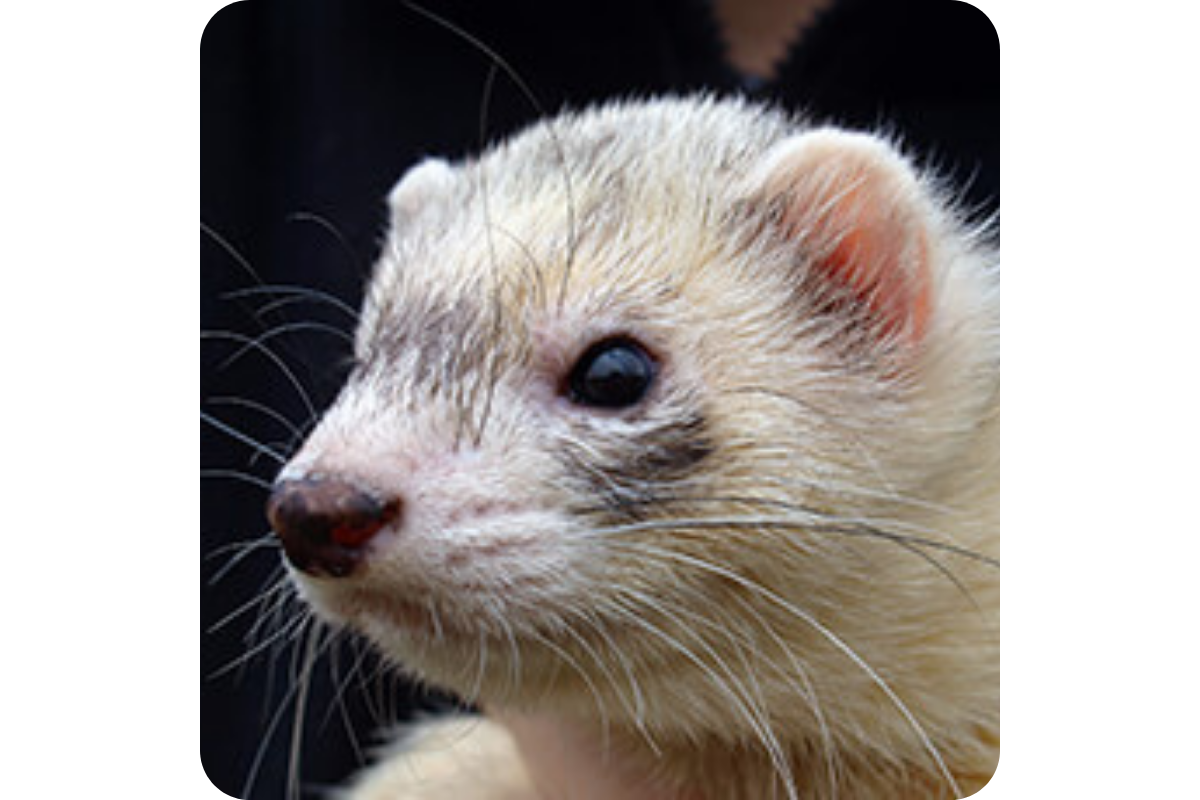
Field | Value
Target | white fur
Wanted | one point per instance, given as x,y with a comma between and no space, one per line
810,650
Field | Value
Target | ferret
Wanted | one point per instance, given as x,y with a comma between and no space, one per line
671,442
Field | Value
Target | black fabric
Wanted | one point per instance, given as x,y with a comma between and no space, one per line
310,110
927,71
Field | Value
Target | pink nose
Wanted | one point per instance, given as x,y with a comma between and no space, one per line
324,523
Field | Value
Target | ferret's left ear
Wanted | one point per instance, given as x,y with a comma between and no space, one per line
856,212
422,186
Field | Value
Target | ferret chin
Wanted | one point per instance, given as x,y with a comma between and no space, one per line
672,442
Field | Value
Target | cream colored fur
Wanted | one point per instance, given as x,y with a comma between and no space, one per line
816,613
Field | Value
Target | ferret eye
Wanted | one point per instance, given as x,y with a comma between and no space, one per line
614,373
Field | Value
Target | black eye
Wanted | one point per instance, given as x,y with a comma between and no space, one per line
614,373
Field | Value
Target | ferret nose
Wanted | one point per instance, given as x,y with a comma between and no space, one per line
324,523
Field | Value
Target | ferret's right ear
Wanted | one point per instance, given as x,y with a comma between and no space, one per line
420,187
856,213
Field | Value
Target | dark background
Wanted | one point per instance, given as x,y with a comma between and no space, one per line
310,111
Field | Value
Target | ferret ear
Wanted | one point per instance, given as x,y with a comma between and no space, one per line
420,187
856,212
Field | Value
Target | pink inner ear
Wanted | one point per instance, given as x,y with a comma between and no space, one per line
853,204
897,296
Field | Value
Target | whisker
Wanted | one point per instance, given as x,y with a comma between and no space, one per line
833,639
332,230
489,384
281,303
231,251
276,360
807,691
369,688
848,527
637,699
853,526
245,549
245,607
848,433
237,475
569,660
246,439
279,330
605,671
514,661
842,488
473,695
531,98
282,634
739,701
268,735
218,552
311,651
261,408
273,617
297,292
532,271
341,685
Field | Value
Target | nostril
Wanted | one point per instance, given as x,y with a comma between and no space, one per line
362,519
323,523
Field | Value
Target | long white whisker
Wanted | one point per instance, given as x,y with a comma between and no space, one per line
803,520
555,141
605,670
237,547
342,686
473,695
279,330
832,422
273,617
298,292
826,525
638,699
739,701
569,660
268,735
236,475
261,408
231,251
337,705
283,633
807,691
253,602
369,688
309,407
310,657
229,430
829,636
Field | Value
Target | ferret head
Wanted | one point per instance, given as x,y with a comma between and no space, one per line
674,413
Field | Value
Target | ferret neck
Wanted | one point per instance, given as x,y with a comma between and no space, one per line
568,759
